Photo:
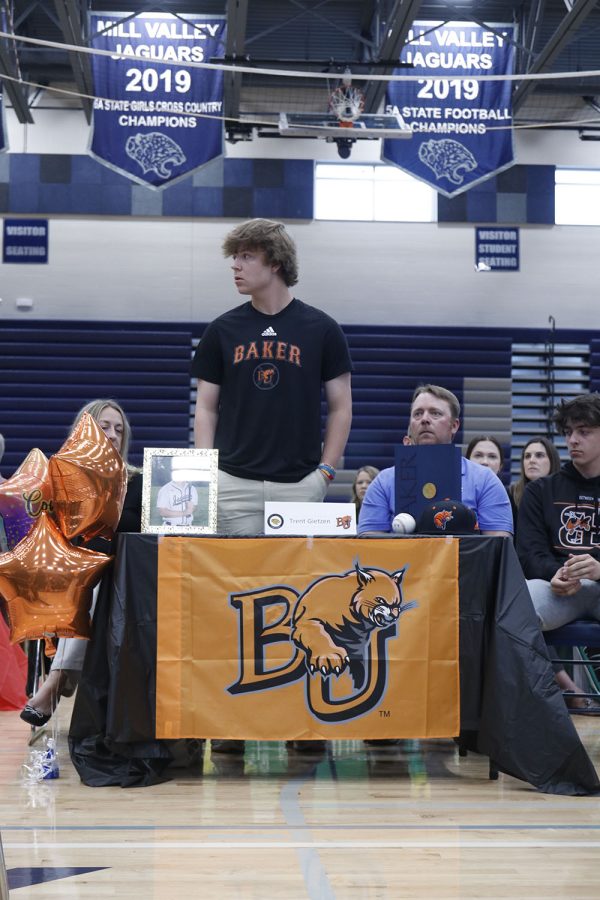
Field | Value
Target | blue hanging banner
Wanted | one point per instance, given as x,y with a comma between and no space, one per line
155,118
462,128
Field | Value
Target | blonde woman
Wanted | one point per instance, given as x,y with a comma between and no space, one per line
68,661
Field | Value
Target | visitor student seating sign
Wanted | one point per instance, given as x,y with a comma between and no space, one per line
157,117
462,126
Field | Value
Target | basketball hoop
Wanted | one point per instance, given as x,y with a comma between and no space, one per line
347,102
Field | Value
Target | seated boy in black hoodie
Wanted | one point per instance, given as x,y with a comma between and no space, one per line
559,517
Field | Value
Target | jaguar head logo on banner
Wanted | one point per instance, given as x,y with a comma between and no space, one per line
340,623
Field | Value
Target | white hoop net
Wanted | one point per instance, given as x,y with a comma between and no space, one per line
347,103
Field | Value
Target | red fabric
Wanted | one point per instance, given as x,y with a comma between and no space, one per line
13,671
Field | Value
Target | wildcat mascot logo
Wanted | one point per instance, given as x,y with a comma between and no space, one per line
339,626
575,525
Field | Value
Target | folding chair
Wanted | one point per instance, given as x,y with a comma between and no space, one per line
580,635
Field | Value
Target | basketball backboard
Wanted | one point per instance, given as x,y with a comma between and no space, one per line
368,127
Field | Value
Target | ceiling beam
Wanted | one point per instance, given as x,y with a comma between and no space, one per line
568,27
25,13
533,24
237,14
9,66
400,20
15,92
368,30
72,28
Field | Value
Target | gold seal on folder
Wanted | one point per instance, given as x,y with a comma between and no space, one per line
429,490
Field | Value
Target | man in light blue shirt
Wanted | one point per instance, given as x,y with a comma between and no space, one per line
434,419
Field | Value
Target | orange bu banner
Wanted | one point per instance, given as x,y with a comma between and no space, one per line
301,638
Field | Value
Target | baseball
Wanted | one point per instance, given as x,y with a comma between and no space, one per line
404,524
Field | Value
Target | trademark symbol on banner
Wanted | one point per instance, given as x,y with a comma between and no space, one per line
384,713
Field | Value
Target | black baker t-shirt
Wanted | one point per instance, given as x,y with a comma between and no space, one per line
270,370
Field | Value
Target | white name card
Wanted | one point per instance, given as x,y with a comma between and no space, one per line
337,519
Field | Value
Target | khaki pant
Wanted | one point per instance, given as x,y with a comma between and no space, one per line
241,501
70,652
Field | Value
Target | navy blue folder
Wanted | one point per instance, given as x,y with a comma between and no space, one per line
425,474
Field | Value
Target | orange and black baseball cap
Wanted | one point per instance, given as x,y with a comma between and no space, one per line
447,517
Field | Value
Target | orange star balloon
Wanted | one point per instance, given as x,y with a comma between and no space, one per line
47,584
24,496
89,480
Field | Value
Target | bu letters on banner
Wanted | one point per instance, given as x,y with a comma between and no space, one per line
296,638
155,118
462,128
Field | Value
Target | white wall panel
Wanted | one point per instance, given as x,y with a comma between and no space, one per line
385,273
172,270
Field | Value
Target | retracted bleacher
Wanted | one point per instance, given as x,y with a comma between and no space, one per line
50,369
389,364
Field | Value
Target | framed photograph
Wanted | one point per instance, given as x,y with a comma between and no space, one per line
179,494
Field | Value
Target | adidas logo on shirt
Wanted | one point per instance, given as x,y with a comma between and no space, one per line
269,332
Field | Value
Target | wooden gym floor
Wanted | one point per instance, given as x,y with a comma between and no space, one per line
408,821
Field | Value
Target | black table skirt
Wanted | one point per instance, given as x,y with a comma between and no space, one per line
511,707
